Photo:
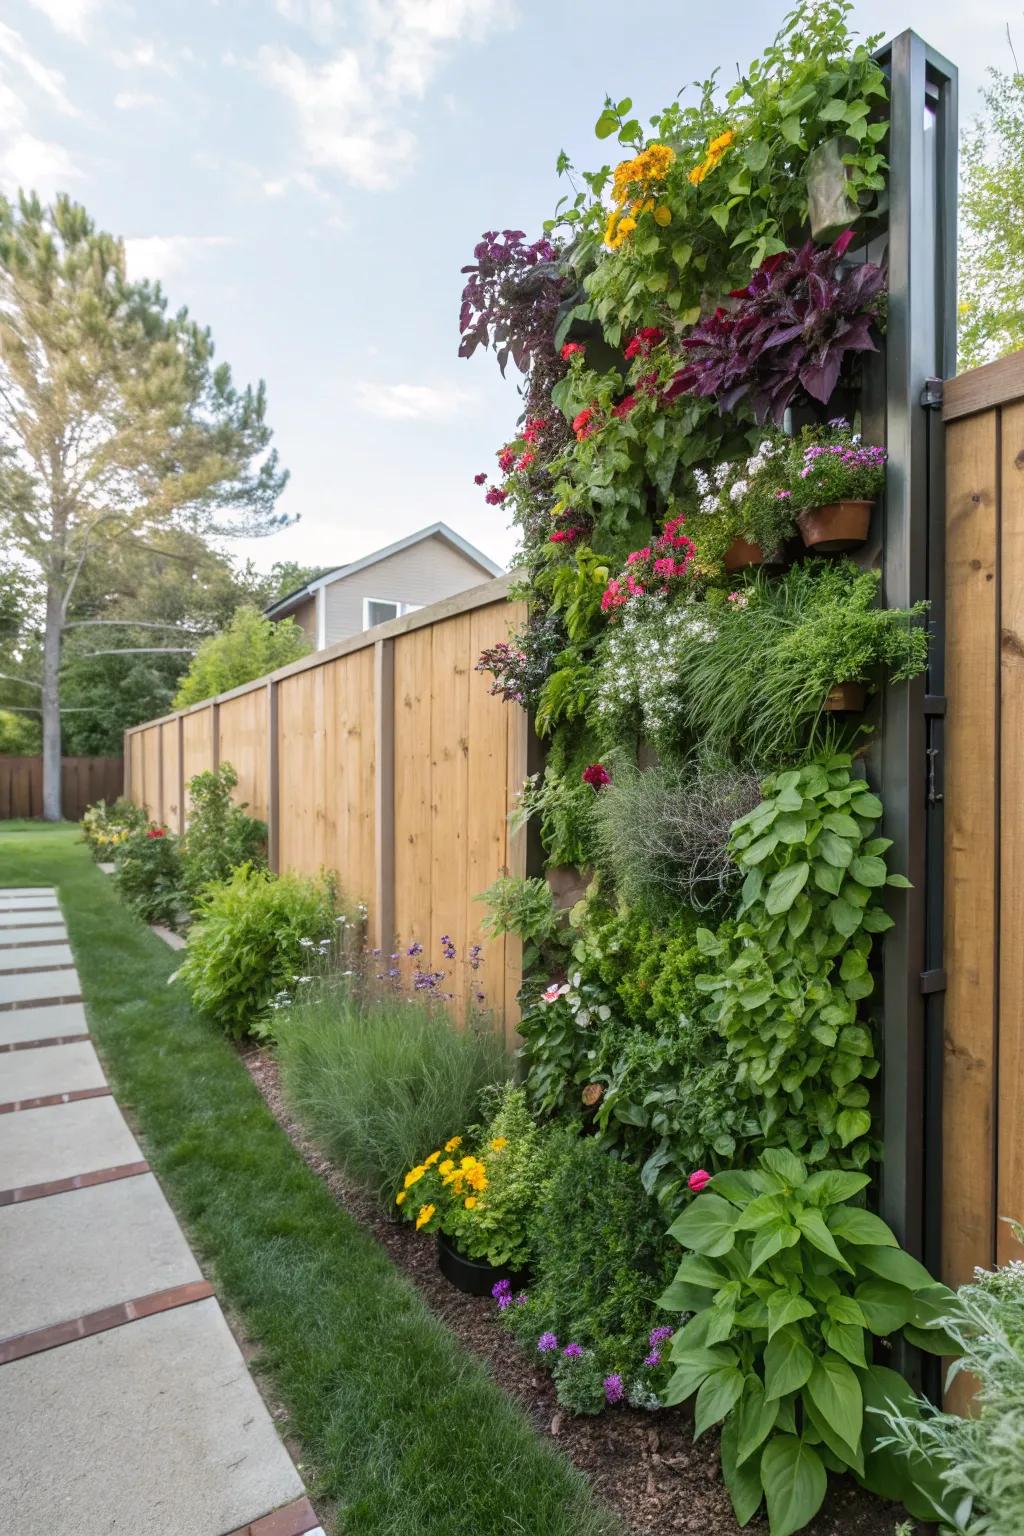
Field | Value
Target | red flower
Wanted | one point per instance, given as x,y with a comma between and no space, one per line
572,349
580,421
564,535
597,776
506,458
625,406
157,832
644,342
495,496
698,1180
533,429
480,479
526,460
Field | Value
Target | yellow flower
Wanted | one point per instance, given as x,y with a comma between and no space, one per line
425,1213
400,1197
428,1162
413,1175
626,227
498,1143
470,1202
452,1143
446,1166
721,144
663,215
716,149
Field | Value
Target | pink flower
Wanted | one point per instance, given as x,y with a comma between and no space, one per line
506,458
554,992
480,479
597,776
533,429
572,349
525,461
495,496
698,1180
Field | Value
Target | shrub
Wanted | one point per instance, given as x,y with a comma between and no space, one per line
220,835
105,826
377,1083
524,907
481,1201
245,946
147,873
663,834
600,1260
249,647
979,1460
788,1282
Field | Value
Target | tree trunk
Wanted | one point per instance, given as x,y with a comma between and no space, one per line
51,702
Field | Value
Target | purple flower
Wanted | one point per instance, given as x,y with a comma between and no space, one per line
659,1335
447,947
614,1391
414,949
546,1343
521,1299
503,1302
652,1359
573,1351
501,1288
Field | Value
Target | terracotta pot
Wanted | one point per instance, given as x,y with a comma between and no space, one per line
741,555
841,525
474,1277
846,699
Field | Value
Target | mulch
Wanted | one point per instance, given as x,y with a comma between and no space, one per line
644,1467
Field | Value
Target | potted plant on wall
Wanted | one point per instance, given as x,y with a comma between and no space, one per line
834,481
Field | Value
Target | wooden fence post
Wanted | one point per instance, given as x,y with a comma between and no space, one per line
384,792
215,734
273,787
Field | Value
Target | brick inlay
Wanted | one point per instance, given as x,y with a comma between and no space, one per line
33,943
78,1181
48,1099
34,1045
292,1520
37,970
18,1345
39,1002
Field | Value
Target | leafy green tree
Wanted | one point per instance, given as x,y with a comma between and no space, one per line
19,734
284,576
248,648
115,422
991,304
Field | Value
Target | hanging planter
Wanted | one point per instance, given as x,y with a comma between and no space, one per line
474,1277
841,525
742,555
846,699
830,208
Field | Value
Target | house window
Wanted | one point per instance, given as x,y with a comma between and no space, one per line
378,610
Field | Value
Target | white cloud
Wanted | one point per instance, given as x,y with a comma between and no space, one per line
68,16
353,108
134,101
317,17
38,164
160,257
16,56
26,159
411,402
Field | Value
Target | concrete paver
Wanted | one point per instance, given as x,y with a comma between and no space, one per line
159,1426
17,917
42,1023
42,954
48,933
10,891
23,989
69,1254
28,901
38,1145
49,1069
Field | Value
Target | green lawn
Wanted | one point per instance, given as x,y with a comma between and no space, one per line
398,1427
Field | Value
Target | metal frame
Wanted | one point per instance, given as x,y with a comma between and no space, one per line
920,353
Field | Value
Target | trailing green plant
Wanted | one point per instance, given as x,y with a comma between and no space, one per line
600,1259
524,906
663,833
482,1200
376,1080
246,944
559,1029
220,835
979,1458
789,1282
105,826
562,800
147,874
786,987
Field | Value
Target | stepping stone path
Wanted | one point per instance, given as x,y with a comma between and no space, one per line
125,1402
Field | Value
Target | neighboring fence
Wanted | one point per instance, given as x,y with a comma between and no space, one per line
983,1089
82,781
383,758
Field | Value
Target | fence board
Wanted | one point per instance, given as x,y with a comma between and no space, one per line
170,776
1010,1100
242,725
83,781
414,821
196,746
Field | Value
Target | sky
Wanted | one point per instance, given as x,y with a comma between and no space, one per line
308,177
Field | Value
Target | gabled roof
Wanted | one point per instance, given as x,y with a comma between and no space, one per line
284,605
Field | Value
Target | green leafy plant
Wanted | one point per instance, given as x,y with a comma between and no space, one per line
829,464
105,826
978,1458
245,946
219,835
523,906
600,1259
376,1081
788,1282
786,988
147,873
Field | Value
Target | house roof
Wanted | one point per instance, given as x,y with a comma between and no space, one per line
284,605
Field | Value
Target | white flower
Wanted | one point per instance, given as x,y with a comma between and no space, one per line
738,490
722,474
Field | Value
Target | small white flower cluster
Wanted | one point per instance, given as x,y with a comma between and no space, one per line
733,481
645,654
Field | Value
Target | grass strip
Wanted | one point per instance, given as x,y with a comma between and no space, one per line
399,1425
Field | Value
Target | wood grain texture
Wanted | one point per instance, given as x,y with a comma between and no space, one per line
414,821
242,726
970,853
196,747
151,771
983,389
170,776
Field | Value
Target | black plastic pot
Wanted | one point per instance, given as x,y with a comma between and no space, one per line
474,1276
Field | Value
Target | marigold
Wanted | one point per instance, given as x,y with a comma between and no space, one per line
400,1197
471,1202
428,1162
446,1166
452,1143
498,1143
425,1213
414,1175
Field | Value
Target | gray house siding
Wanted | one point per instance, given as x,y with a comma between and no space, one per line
424,573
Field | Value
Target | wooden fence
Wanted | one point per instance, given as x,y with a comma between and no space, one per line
82,781
383,758
983,1078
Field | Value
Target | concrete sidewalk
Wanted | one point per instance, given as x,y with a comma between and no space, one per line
126,1408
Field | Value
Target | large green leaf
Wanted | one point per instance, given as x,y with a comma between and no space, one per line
869,869
755,1418
894,1265
787,1363
812,1224
707,1225
786,1165
719,1393
835,1391
850,1456
690,1372
785,1307
854,1225
830,1186
742,1479
794,1483
847,1339
886,1307
786,887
